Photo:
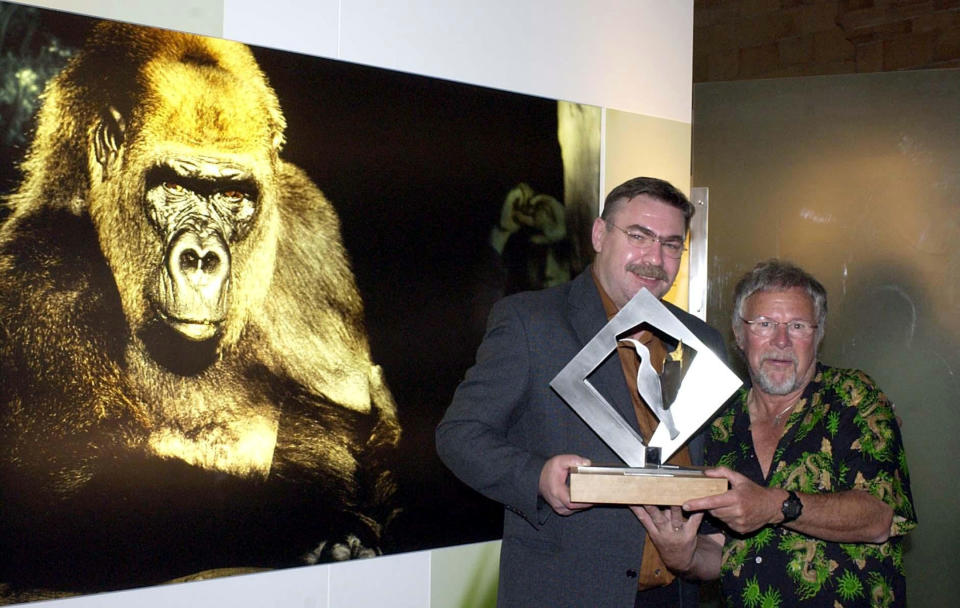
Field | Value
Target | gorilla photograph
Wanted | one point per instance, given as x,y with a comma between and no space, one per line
238,287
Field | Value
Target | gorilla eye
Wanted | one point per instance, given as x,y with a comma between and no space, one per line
234,196
174,187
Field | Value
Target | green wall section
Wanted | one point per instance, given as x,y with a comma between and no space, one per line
465,576
857,179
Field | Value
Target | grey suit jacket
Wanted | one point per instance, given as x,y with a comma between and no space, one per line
505,422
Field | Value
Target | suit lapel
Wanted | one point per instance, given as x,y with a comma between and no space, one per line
587,318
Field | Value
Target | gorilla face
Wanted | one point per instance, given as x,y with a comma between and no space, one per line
190,175
198,207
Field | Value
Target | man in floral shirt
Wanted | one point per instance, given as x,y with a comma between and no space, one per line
819,497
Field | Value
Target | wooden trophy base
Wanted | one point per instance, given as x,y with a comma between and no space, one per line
666,485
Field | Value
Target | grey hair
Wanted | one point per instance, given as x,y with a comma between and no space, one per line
777,275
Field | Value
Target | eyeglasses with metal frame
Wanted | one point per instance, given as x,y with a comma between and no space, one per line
763,327
643,239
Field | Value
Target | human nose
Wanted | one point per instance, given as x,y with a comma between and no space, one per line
781,337
654,252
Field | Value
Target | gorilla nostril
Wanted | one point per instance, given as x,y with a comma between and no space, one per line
210,263
189,260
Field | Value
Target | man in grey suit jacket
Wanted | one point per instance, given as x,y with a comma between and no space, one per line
508,435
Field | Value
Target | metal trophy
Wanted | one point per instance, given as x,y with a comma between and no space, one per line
694,383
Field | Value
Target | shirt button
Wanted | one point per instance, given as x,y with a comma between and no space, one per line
631,574
759,560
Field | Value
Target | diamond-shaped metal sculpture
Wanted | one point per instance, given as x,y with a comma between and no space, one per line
694,390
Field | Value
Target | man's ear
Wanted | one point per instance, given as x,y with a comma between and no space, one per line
108,139
597,233
738,337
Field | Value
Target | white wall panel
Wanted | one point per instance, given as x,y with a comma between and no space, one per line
632,55
294,25
294,587
197,16
398,581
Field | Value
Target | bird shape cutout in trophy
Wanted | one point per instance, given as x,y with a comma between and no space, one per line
659,391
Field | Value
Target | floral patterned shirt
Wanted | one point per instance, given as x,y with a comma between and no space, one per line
842,435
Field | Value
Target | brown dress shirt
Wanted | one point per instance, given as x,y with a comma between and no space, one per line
653,572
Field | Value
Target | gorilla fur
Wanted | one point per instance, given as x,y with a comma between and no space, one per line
185,378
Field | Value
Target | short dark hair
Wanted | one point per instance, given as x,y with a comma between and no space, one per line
651,186
777,275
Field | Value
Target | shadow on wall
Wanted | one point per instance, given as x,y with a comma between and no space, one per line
897,342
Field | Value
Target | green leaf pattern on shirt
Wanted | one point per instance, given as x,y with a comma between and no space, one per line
809,567
753,597
849,586
881,593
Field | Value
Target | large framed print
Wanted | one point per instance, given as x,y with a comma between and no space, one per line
238,287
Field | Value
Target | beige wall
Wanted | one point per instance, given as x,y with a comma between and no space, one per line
857,179
638,145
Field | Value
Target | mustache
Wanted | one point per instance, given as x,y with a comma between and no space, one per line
647,270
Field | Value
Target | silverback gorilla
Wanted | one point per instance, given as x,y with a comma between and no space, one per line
185,378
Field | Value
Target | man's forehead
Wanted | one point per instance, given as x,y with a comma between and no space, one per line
775,297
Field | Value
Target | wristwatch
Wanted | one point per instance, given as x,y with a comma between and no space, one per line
792,507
